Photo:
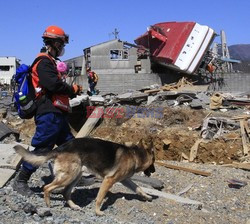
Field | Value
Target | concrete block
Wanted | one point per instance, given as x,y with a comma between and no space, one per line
5,175
8,157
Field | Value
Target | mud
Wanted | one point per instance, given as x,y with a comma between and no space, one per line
173,136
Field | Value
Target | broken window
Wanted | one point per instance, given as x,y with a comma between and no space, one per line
4,68
119,54
137,68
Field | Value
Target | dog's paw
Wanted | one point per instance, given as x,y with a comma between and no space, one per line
148,197
73,206
99,213
76,207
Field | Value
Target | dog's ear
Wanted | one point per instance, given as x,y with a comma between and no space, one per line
149,145
140,144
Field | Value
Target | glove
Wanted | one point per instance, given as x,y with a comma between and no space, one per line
77,89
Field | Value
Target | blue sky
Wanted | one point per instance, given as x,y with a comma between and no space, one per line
92,22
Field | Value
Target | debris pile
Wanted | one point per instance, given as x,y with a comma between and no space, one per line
187,125
191,141
183,82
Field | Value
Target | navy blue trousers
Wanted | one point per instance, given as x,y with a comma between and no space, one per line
92,87
51,129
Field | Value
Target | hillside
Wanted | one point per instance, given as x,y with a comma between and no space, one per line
241,52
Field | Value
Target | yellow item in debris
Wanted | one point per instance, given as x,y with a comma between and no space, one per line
216,101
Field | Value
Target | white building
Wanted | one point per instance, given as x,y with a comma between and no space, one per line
8,67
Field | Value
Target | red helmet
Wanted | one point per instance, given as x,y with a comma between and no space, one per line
55,32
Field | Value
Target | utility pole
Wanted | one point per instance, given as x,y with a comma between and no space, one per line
115,33
225,51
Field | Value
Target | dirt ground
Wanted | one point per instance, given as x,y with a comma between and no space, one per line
173,136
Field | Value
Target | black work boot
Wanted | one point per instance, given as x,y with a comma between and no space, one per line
21,183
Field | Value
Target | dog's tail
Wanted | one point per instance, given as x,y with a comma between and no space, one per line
31,158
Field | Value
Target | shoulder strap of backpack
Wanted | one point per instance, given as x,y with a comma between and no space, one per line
39,57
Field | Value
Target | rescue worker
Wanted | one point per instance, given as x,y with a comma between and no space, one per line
53,95
92,80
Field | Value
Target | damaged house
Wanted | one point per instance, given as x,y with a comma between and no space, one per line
8,67
119,65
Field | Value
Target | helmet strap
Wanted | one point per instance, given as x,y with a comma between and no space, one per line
52,48
57,51
58,47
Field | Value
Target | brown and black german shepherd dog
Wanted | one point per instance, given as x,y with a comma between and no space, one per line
111,161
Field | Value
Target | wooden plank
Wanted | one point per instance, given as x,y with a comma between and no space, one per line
243,137
208,115
152,91
91,122
203,173
194,150
240,117
247,128
244,166
173,197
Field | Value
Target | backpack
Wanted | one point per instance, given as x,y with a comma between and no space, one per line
24,96
93,76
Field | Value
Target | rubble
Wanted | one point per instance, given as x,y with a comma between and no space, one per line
203,148
176,106
6,131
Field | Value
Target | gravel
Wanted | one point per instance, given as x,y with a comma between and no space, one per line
220,202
